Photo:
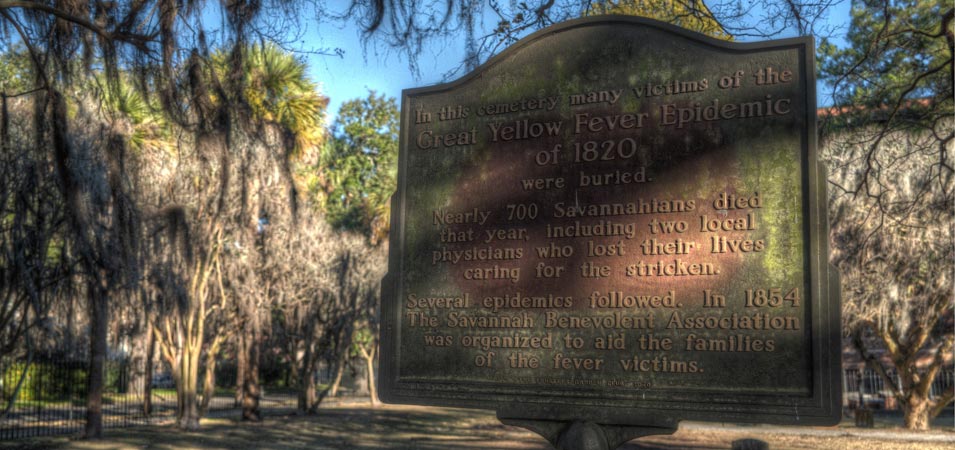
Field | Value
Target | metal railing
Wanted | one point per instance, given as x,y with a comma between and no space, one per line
868,387
49,397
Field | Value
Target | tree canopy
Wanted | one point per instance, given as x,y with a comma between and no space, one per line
409,26
689,15
361,165
896,75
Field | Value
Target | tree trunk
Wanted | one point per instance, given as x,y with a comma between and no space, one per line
312,399
342,346
251,397
99,322
339,372
332,389
241,367
148,387
251,391
302,405
71,334
187,396
139,376
307,390
189,411
209,378
370,376
137,365
301,383
917,411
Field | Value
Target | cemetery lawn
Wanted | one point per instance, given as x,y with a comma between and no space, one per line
357,426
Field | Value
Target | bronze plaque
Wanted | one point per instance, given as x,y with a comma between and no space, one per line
619,221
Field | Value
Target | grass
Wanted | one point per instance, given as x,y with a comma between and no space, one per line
109,398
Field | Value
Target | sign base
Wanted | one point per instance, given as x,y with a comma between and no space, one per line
584,435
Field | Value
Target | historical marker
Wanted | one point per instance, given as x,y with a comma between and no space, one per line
616,221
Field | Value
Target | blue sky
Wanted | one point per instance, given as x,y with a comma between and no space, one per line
358,70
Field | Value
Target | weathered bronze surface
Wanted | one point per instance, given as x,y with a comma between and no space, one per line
620,221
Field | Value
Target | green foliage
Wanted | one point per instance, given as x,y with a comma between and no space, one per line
146,124
44,382
279,91
58,381
116,374
361,164
362,338
691,15
15,73
895,77
899,50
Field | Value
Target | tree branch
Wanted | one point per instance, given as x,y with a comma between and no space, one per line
942,402
925,384
137,40
8,4
873,362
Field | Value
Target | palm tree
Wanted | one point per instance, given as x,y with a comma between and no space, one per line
282,109
279,92
132,113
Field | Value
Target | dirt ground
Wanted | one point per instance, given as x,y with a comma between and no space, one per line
356,426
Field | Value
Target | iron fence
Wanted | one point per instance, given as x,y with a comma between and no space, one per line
867,387
49,398
45,398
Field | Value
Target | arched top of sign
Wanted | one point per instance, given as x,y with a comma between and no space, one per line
611,20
